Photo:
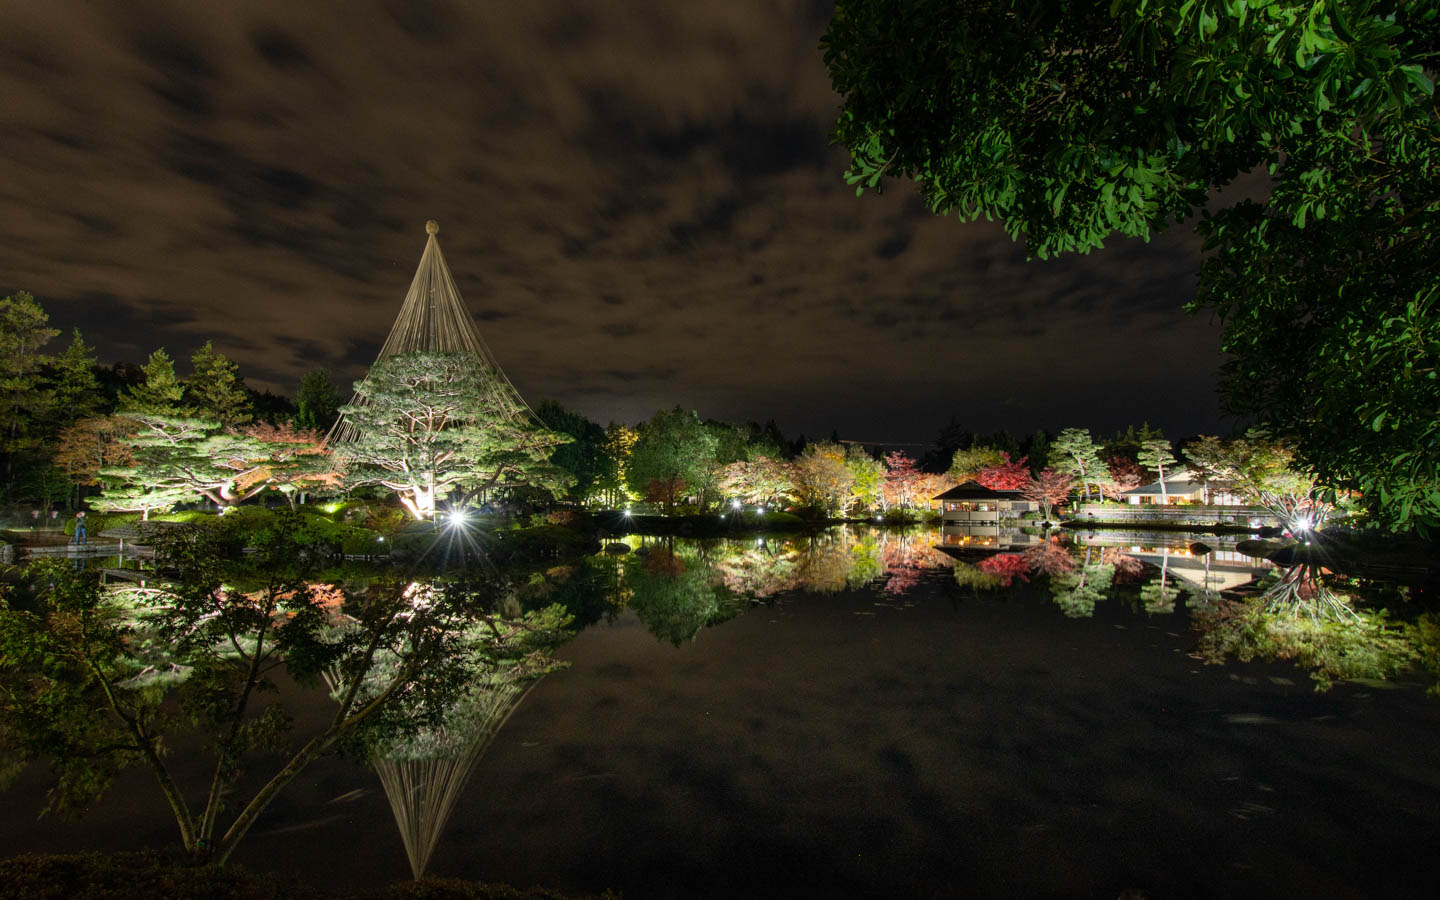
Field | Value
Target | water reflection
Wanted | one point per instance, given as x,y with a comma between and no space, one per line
1241,606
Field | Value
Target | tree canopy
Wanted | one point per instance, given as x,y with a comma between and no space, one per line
1070,121
428,424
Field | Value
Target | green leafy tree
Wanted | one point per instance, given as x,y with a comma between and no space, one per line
317,402
1155,455
613,482
214,389
673,449
967,464
1075,453
1073,121
867,477
584,457
428,423
96,681
1264,472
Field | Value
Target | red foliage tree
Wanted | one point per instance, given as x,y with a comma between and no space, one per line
1049,489
902,479
665,490
1007,476
1125,475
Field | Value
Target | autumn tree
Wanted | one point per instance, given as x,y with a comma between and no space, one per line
930,485
902,476
427,424
1048,488
1072,122
822,477
294,463
1005,475
1125,475
761,481
91,445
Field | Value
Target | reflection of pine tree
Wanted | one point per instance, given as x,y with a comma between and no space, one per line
1159,595
1076,592
423,766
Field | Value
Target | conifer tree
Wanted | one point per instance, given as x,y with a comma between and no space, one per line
1075,453
24,399
1155,454
318,402
76,389
215,388
427,424
160,392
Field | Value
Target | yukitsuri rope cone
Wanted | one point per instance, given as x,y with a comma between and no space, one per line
434,318
424,776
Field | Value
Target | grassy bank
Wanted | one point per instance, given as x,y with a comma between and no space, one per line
142,876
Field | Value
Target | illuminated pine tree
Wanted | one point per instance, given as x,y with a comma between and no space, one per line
435,414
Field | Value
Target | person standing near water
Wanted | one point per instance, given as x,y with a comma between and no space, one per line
80,528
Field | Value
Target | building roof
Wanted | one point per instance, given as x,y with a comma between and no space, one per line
1176,483
974,490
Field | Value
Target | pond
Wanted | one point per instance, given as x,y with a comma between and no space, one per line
873,713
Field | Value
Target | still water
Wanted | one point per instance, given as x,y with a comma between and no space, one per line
873,713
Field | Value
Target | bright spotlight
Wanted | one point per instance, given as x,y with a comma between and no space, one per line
735,503
457,517
627,512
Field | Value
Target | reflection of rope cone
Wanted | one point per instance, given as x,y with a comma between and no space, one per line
424,776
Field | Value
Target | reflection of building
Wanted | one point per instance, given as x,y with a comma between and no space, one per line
974,541
1223,568
974,502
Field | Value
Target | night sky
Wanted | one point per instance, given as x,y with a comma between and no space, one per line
637,200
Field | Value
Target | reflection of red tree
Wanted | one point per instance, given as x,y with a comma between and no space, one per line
1006,566
661,561
1128,569
1049,558
905,558
901,580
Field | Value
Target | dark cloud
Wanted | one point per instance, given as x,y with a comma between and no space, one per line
638,201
